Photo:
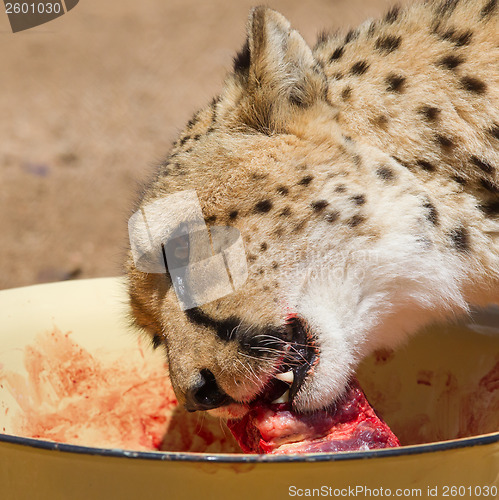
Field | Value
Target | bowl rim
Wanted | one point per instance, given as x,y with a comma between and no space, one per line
232,458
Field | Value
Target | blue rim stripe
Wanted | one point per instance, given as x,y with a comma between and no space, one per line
242,458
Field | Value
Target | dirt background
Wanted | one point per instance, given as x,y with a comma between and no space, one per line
91,101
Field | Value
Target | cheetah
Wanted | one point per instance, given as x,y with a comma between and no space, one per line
362,177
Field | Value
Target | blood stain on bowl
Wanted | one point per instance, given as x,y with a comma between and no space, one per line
93,399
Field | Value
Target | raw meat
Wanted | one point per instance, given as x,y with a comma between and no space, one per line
351,425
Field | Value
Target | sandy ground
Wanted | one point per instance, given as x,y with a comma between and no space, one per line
91,101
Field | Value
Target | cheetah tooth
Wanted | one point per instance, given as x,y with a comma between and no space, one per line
286,377
282,399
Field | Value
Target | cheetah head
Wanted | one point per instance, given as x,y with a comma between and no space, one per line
268,158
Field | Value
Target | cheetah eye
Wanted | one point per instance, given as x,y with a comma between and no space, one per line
181,250
178,249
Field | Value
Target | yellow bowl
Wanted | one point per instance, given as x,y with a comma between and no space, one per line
440,394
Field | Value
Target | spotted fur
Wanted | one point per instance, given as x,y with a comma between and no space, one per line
363,177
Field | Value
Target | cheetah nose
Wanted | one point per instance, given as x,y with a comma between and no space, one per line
205,394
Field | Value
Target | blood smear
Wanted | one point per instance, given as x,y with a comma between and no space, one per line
72,396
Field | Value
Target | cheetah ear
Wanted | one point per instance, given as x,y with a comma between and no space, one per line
276,67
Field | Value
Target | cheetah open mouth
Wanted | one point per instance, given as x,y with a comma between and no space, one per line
302,354
271,424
